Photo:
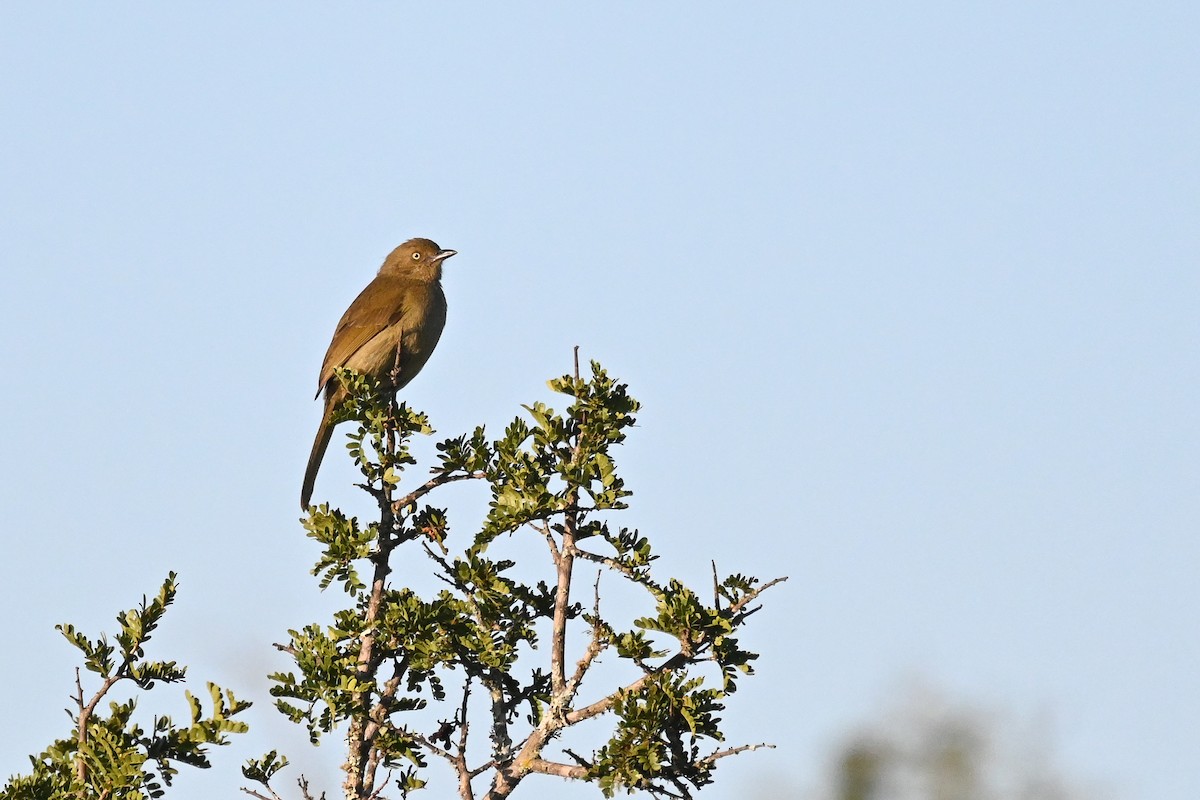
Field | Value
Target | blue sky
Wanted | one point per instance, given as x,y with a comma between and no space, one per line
908,292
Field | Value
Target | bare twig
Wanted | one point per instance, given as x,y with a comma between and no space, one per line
544,529
733,751
595,646
274,795
302,782
261,796
383,785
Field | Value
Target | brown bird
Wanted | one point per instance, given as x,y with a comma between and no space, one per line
403,310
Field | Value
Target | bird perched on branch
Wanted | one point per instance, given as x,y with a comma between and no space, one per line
396,321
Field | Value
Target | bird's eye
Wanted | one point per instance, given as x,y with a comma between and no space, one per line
416,256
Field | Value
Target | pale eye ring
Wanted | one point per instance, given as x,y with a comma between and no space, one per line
416,256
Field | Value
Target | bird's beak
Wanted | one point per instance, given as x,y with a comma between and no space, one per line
444,254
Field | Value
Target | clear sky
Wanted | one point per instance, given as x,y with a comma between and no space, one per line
909,292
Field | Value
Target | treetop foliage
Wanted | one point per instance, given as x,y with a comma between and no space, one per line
389,662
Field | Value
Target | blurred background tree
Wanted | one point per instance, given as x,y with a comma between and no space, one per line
929,746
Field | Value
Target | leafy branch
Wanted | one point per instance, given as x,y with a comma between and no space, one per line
114,756
387,662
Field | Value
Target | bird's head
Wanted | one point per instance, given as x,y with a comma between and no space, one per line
419,259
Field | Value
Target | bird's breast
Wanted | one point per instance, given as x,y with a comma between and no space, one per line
413,334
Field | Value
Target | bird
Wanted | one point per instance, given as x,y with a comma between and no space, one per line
400,315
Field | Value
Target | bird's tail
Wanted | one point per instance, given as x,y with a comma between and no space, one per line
324,434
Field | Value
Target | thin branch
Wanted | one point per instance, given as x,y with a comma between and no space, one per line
463,725
658,790
553,545
595,646
750,596
302,782
555,768
85,713
460,764
431,484
261,796
379,792
377,716
428,744
385,459
605,703
441,560
676,661
394,375
607,561
733,751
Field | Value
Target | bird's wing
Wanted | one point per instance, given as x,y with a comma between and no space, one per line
379,305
